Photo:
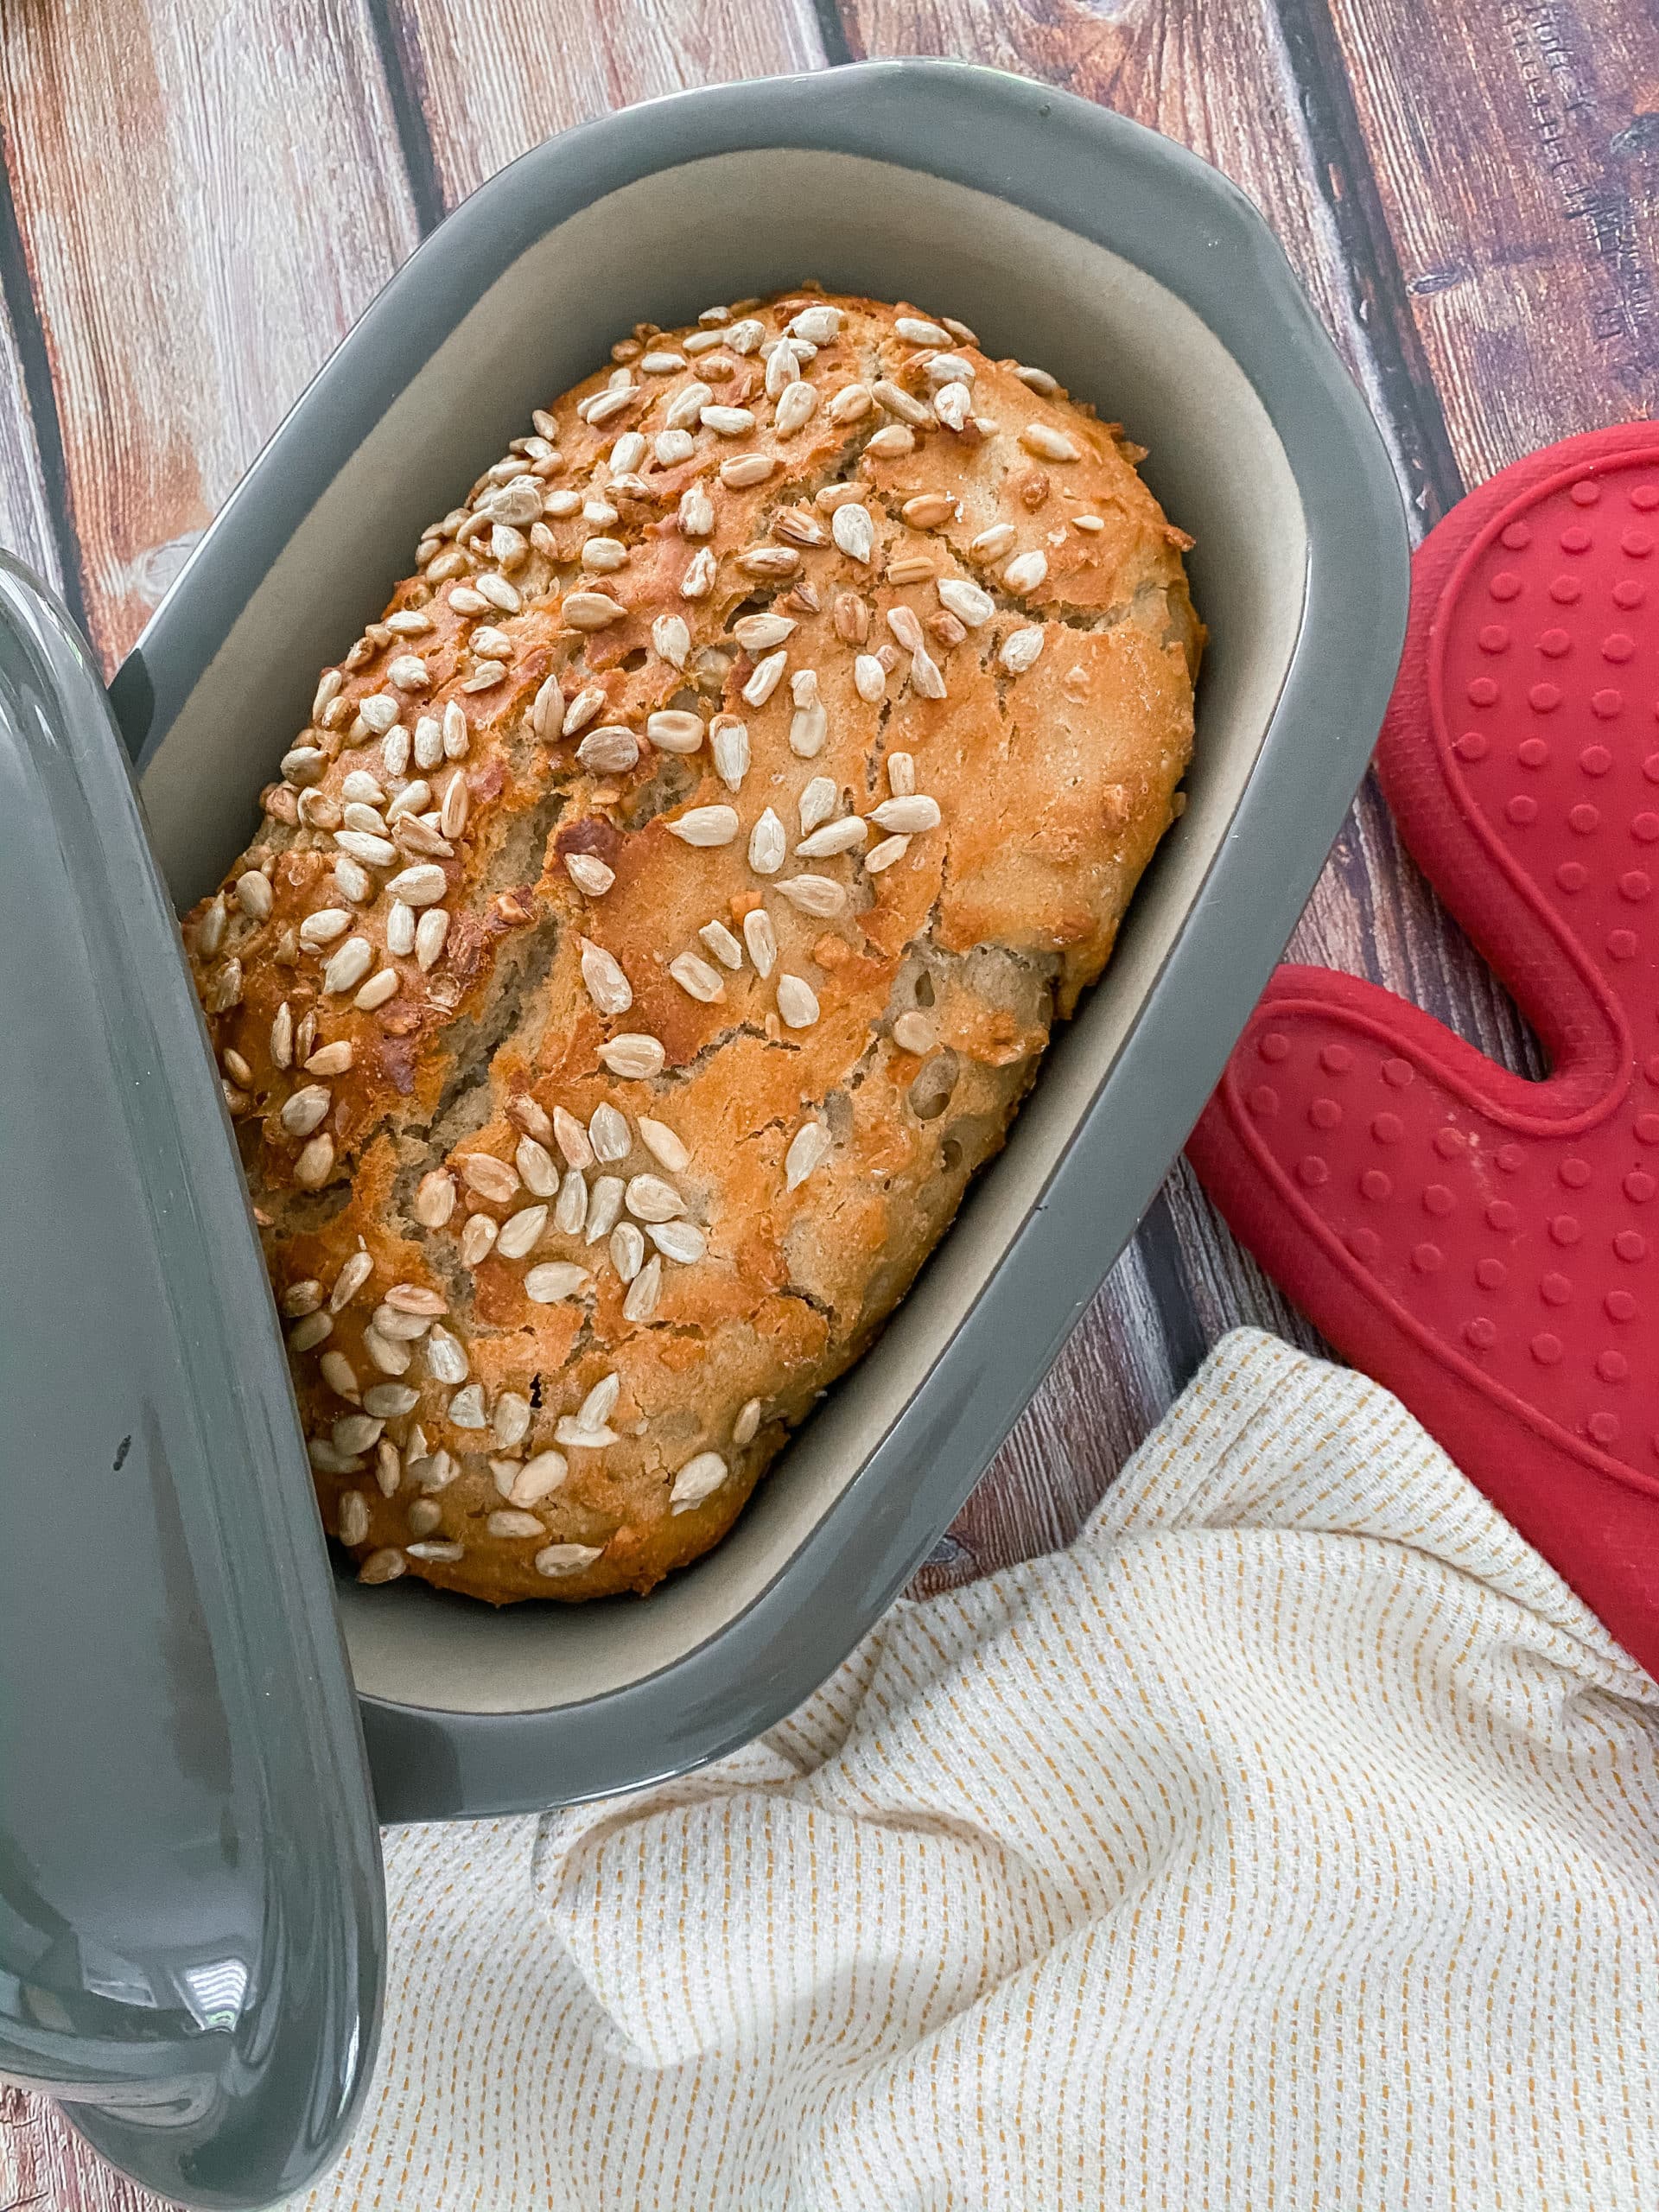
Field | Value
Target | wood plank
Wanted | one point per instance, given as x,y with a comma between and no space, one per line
491,82
1514,150
207,197
45,2166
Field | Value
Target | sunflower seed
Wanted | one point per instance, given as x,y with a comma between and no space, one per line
414,1297
845,835
383,1567
953,403
521,1230
428,741
350,1280
366,819
783,367
466,1408
817,895
1046,442
467,602
389,1401
304,765
399,1328
422,885
388,1467
581,711
323,927
675,730
698,1479
746,1426
338,1374
430,1471
632,1055
869,678
457,732
445,1552
608,748
379,988
566,1559
661,365
700,572
696,978
605,406
672,447
570,1210
304,1297
820,325
768,842
446,1355
916,331
949,368
477,1240
1025,572
394,750
608,1133
253,895
797,1002
380,713
326,1461
757,633
561,504
604,1204
705,825
764,679
743,337
697,512
589,873
328,691
431,933
556,1280
606,985
726,422
688,404
409,673
649,1198
587,610
745,470
906,816
601,555
308,1334
730,745
352,1514
758,933
966,601
817,803
897,401
538,1478
491,1178
1021,649
348,966
672,639
795,408
1038,380
854,531
644,1292
435,1199
769,562
721,942
678,1239
850,405
891,442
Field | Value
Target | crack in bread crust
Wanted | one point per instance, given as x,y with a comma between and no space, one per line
592,1134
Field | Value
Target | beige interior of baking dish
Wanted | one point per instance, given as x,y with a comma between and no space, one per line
663,248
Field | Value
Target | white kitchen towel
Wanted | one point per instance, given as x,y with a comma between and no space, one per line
1291,1841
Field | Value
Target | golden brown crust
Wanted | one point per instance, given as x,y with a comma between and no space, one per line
808,1162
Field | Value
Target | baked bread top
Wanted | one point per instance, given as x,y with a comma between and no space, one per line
664,910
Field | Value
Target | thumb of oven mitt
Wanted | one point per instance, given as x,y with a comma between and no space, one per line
1485,1245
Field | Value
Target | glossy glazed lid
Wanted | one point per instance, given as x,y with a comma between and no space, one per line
192,1922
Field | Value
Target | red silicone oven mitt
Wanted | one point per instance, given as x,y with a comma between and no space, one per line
1486,1246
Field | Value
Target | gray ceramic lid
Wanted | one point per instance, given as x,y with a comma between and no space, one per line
192,1922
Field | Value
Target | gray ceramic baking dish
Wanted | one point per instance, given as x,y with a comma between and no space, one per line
1068,237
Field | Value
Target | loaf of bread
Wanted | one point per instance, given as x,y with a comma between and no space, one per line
664,912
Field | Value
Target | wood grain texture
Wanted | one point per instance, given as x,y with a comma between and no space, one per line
1516,150
489,82
45,2166
208,195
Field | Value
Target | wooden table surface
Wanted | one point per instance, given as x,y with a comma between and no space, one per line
200,197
